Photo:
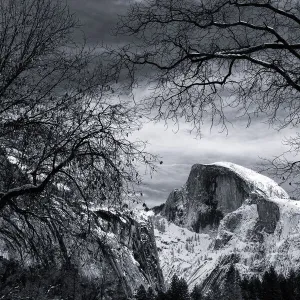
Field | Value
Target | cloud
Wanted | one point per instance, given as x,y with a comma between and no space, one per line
179,150
98,19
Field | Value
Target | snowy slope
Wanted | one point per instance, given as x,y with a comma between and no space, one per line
263,231
188,254
179,248
195,256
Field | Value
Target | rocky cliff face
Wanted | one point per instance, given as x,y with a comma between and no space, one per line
108,261
110,264
131,250
258,226
212,191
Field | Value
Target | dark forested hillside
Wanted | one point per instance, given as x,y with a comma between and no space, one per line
270,287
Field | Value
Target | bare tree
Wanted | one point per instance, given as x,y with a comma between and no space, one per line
64,146
209,56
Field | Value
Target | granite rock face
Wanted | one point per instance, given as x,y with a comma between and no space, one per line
118,257
227,215
210,192
268,215
133,242
213,191
266,220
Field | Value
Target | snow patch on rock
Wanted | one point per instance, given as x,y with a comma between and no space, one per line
263,231
259,181
238,240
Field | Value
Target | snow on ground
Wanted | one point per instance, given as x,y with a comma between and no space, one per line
179,248
239,237
259,181
194,256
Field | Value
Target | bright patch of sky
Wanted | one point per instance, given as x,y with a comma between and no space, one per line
179,150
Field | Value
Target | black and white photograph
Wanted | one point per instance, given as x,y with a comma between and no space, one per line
149,150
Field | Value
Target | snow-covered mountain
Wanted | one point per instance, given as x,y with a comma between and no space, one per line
214,190
227,214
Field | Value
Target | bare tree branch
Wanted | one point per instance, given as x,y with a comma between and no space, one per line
195,52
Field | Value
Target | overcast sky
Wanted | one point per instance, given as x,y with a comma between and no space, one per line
180,149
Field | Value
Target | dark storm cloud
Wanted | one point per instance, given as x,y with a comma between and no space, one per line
99,18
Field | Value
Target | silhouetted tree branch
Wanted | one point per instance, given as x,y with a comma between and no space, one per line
204,58
64,135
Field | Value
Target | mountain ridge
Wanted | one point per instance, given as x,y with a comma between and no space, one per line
257,231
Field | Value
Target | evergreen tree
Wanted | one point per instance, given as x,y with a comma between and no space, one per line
141,293
251,289
270,286
232,289
286,287
245,289
196,293
215,294
257,288
183,290
162,296
173,290
295,284
150,294
178,289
